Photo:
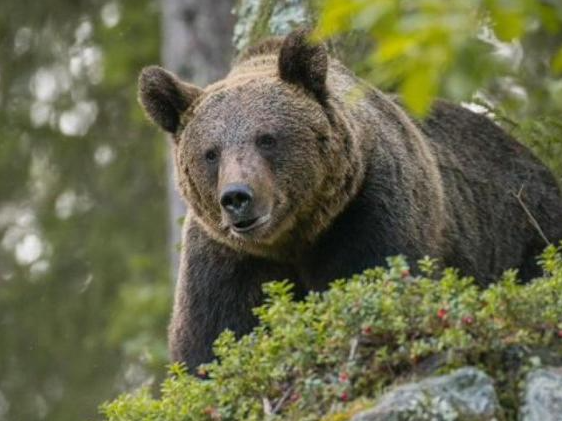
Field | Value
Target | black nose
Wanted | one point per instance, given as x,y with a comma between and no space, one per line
236,198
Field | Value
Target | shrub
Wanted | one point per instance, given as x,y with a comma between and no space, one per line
335,352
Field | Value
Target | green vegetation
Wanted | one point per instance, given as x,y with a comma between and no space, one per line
454,48
334,352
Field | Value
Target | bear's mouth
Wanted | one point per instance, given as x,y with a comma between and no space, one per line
248,225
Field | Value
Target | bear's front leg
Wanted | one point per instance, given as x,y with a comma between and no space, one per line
217,289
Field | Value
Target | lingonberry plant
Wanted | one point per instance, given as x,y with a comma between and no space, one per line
334,353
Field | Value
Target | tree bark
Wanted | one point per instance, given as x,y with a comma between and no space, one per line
257,19
197,46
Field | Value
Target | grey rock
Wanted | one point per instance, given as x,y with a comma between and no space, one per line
465,395
542,395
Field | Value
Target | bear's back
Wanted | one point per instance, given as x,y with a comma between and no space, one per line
505,205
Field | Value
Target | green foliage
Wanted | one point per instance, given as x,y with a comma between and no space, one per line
543,134
333,353
452,48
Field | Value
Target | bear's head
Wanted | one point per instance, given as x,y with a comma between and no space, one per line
263,156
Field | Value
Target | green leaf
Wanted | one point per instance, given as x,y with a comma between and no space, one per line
394,47
418,90
508,25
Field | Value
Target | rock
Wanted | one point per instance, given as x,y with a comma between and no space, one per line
465,395
542,395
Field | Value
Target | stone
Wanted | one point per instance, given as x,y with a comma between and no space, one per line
466,394
542,395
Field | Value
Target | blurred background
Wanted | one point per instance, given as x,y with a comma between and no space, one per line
86,263
89,221
84,272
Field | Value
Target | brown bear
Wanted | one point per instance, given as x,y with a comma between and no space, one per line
289,173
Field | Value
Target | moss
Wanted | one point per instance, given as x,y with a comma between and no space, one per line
260,28
351,410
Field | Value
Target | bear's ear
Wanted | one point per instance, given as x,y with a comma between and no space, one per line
164,97
303,62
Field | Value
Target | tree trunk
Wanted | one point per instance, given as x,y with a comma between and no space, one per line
197,45
258,19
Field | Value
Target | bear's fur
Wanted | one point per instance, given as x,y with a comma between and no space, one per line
339,177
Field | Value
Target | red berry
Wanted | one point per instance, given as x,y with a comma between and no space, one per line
212,412
560,333
344,397
468,320
367,330
442,313
294,397
343,377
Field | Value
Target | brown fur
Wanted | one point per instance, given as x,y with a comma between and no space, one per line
341,184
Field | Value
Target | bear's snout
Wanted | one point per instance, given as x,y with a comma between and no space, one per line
236,199
240,208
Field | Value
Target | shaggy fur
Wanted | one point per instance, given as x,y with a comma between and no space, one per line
344,178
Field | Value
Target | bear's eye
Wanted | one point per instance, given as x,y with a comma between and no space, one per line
211,156
266,141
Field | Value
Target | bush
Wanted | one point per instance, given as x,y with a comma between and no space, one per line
334,353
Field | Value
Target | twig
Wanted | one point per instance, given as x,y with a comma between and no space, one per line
534,222
267,406
282,400
353,350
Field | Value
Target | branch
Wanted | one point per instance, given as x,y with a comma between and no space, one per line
534,222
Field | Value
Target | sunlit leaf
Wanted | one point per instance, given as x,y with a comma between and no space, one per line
418,90
336,17
394,47
507,24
